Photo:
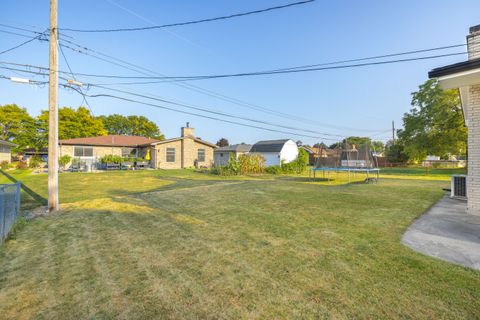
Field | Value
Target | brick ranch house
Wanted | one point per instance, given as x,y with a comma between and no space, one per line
466,77
182,152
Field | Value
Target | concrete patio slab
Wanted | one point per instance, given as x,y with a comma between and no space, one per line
447,232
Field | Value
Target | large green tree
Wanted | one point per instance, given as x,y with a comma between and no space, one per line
74,123
435,124
378,146
17,126
131,125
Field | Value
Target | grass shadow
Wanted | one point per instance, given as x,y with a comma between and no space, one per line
38,198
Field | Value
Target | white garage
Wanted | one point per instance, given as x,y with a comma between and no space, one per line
276,151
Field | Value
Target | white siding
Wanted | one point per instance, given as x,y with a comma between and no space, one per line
271,158
289,151
221,158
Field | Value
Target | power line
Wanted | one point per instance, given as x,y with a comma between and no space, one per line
199,115
117,90
261,73
256,73
210,93
22,44
216,112
73,75
375,57
177,24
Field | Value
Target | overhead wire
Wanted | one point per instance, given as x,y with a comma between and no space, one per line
177,24
200,115
189,106
74,78
22,44
210,93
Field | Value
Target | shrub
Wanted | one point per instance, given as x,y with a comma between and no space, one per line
22,165
64,160
4,165
251,164
34,162
110,158
274,170
298,165
245,164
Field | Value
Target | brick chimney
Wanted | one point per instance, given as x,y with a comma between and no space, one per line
187,131
473,43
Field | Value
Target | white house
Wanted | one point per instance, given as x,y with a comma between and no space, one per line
466,77
221,155
276,151
5,154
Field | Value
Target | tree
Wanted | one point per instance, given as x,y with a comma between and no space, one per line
141,126
299,143
73,123
116,124
17,126
223,142
435,124
378,146
131,125
395,153
321,145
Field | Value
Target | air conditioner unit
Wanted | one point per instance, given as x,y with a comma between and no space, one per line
459,186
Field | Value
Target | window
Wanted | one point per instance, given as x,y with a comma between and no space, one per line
83,151
170,154
201,155
129,152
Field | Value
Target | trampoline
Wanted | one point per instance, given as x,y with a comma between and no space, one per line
347,158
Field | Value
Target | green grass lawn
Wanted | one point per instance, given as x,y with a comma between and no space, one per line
181,244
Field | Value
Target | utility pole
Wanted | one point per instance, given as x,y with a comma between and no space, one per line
53,204
393,131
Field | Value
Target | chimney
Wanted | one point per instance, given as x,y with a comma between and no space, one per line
473,43
187,131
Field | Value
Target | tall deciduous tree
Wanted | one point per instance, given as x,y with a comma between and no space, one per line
131,125
17,126
435,124
223,142
74,123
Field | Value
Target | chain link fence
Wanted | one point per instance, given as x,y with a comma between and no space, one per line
9,208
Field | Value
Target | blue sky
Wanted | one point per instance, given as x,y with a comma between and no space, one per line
349,102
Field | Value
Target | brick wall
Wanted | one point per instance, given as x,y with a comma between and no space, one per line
473,43
186,154
161,155
98,152
473,181
473,114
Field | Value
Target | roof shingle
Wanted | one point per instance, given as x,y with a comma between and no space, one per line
110,141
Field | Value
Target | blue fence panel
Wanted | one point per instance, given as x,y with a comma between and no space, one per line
9,208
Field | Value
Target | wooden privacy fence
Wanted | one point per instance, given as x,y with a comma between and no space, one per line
9,208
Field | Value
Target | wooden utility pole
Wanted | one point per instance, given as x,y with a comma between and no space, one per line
393,132
53,204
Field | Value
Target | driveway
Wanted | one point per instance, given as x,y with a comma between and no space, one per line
447,232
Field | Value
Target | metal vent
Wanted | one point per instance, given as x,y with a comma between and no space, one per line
459,186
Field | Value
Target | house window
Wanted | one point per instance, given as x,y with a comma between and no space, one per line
83,151
170,154
201,155
129,152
